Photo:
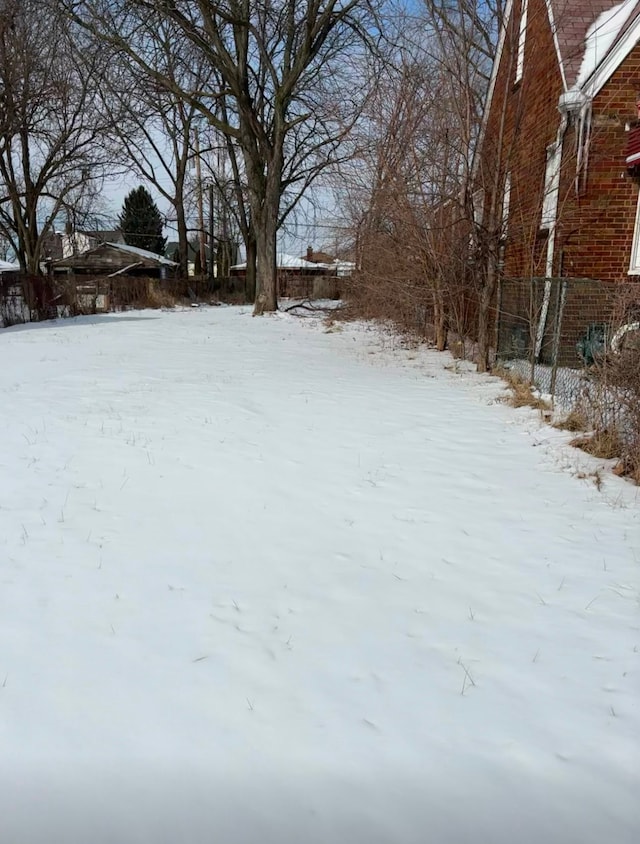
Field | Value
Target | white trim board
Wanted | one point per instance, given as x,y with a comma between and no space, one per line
556,43
492,84
634,264
612,61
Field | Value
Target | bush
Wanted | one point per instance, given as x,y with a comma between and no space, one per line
612,404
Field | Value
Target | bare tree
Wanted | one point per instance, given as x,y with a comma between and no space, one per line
156,131
415,218
267,55
230,184
53,132
408,226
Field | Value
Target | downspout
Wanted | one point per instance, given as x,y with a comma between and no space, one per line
569,103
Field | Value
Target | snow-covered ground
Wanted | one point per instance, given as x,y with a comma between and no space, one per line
261,582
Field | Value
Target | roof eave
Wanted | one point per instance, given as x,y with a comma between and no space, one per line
490,91
556,42
612,61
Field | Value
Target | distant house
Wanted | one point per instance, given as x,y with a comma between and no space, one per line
82,241
298,277
335,265
52,246
59,244
113,259
110,275
287,265
318,256
172,250
6,267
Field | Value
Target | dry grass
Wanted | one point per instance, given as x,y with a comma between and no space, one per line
343,313
604,444
595,477
159,298
457,349
521,391
617,425
629,467
574,421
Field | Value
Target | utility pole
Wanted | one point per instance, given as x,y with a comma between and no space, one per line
201,235
211,265
224,247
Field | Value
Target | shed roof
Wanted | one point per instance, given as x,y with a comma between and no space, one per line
8,267
285,262
129,253
141,253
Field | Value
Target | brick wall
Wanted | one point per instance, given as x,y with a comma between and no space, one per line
531,118
596,223
596,215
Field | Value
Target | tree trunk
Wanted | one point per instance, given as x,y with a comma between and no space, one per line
264,180
484,323
183,237
440,320
266,279
32,251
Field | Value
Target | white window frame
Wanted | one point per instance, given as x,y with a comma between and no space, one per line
522,37
634,266
506,204
478,207
477,202
551,186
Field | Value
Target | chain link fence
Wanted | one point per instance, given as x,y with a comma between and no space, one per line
550,331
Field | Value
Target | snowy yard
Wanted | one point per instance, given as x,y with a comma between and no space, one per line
264,583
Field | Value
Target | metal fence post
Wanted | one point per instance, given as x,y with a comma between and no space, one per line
562,297
532,332
498,320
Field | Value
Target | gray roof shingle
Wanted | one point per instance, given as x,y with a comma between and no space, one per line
572,19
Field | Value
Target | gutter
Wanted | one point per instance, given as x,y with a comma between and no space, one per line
570,103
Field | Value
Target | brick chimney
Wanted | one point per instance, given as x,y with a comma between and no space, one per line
309,253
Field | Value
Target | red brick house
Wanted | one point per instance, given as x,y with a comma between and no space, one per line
558,169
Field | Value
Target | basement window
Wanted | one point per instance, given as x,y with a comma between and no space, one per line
522,37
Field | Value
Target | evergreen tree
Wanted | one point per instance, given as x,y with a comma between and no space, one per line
141,222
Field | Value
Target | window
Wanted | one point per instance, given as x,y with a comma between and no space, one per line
478,215
506,202
478,207
522,37
634,267
551,186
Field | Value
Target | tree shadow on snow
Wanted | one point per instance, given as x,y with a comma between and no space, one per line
74,322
